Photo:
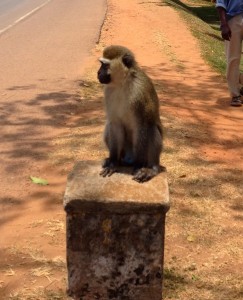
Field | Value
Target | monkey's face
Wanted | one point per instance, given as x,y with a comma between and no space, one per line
115,69
104,74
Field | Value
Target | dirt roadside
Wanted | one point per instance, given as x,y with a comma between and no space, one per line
203,151
203,155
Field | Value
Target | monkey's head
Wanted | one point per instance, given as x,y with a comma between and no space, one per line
116,63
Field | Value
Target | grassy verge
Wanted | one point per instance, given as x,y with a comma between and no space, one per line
202,18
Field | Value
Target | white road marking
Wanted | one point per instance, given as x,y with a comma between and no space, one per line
23,17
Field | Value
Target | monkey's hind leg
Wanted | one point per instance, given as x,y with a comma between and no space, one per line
150,166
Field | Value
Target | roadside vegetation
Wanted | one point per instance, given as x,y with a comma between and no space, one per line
202,18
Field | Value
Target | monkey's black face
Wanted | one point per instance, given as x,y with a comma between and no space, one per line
103,75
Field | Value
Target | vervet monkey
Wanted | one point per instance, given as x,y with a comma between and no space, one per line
133,131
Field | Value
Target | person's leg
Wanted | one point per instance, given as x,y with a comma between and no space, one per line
233,56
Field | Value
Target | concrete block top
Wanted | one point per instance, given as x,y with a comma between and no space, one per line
87,191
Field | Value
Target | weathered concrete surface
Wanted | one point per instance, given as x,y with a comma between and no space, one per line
115,235
86,190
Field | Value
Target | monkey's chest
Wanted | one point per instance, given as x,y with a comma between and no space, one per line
118,109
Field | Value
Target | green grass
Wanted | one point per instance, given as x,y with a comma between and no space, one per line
202,18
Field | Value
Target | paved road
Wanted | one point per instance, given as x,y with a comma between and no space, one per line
41,58
14,11
50,42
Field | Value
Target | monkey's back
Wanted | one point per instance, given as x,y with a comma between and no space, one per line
144,97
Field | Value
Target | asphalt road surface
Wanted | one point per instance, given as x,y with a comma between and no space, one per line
47,40
14,11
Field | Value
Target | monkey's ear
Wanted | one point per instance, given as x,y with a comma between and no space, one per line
128,60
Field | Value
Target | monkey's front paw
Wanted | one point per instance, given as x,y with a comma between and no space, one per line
108,171
144,174
108,168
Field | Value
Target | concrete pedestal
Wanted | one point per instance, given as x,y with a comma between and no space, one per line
115,235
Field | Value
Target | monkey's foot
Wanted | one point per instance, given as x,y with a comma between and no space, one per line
145,174
108,168
108,171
